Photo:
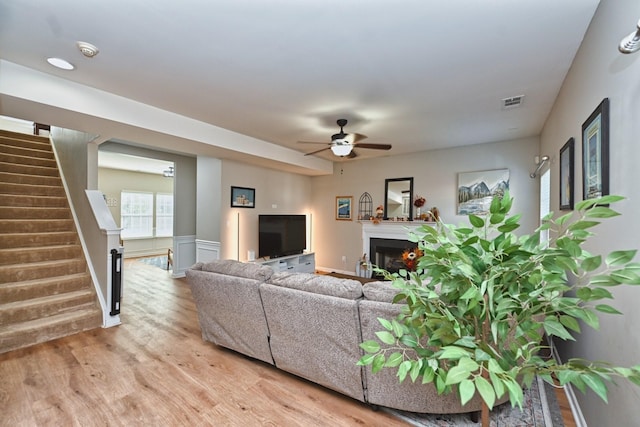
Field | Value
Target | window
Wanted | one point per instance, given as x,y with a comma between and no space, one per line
136,214
545,202
164,215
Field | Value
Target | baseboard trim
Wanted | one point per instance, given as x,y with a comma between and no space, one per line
568,390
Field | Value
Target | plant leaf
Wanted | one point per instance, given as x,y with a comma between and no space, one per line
403,370
620,257
486,391
386,337
476,221
394,360
604,308
498,385
385,323
600,212
378,363
452,352
457,374
365,360
591,263
466,389
555,328
370,346
595,383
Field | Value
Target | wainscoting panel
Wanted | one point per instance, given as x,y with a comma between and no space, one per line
207,250
184,254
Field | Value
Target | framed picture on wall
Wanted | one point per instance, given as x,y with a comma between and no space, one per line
566,175
242,197
595,153
343,207
477,189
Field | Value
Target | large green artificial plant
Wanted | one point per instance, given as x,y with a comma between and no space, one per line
481,298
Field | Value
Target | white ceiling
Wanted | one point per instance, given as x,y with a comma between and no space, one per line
111,160
418,74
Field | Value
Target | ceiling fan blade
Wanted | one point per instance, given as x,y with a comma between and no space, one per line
352,138
318,151
374,146
313,142
358,137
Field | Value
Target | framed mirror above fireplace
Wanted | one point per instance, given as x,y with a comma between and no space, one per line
398,198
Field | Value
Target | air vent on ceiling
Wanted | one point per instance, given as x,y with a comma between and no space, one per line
512,102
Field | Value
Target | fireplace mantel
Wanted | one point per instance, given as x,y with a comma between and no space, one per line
386,230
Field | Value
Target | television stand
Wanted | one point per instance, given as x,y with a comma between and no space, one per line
300,263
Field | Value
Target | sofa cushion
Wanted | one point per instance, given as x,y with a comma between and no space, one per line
232,267
319,284
380,291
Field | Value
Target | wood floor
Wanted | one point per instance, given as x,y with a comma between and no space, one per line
154,369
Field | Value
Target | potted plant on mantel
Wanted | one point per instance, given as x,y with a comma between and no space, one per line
481,296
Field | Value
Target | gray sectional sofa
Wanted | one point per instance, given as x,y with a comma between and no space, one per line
311,326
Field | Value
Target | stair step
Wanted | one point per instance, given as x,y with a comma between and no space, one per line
35,225
20,178
45,306
31,190
22,150
26,160
33,201
19,138
39,254
34,213
28,169
46,291
19,291
49,328
30,240
40,270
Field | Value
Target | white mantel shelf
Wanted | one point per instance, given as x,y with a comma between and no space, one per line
398,230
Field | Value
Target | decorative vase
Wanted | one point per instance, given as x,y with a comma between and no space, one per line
417,213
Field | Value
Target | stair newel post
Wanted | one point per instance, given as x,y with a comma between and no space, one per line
116,281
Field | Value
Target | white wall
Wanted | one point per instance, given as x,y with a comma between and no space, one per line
276,193
435,176
600,71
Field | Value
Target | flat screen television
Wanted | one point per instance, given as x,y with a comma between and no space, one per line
281,235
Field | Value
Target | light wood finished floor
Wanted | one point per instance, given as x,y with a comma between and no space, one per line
155,370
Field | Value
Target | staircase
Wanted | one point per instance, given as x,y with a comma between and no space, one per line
46,291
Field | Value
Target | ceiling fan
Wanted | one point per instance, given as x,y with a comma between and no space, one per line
342,144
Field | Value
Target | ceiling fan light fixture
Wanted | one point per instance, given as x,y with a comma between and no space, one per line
341,150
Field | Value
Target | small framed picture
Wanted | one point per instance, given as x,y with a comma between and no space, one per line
343,207
595,153
566,175
242,197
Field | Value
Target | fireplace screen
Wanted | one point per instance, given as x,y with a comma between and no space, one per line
387,253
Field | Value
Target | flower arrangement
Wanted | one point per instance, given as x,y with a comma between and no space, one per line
419,201
410,258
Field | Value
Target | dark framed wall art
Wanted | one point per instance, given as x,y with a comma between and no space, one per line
242,197
595,153
566,175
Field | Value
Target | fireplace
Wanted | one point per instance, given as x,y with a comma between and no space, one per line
387,253
384,243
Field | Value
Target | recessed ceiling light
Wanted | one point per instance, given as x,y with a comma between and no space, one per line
60,63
